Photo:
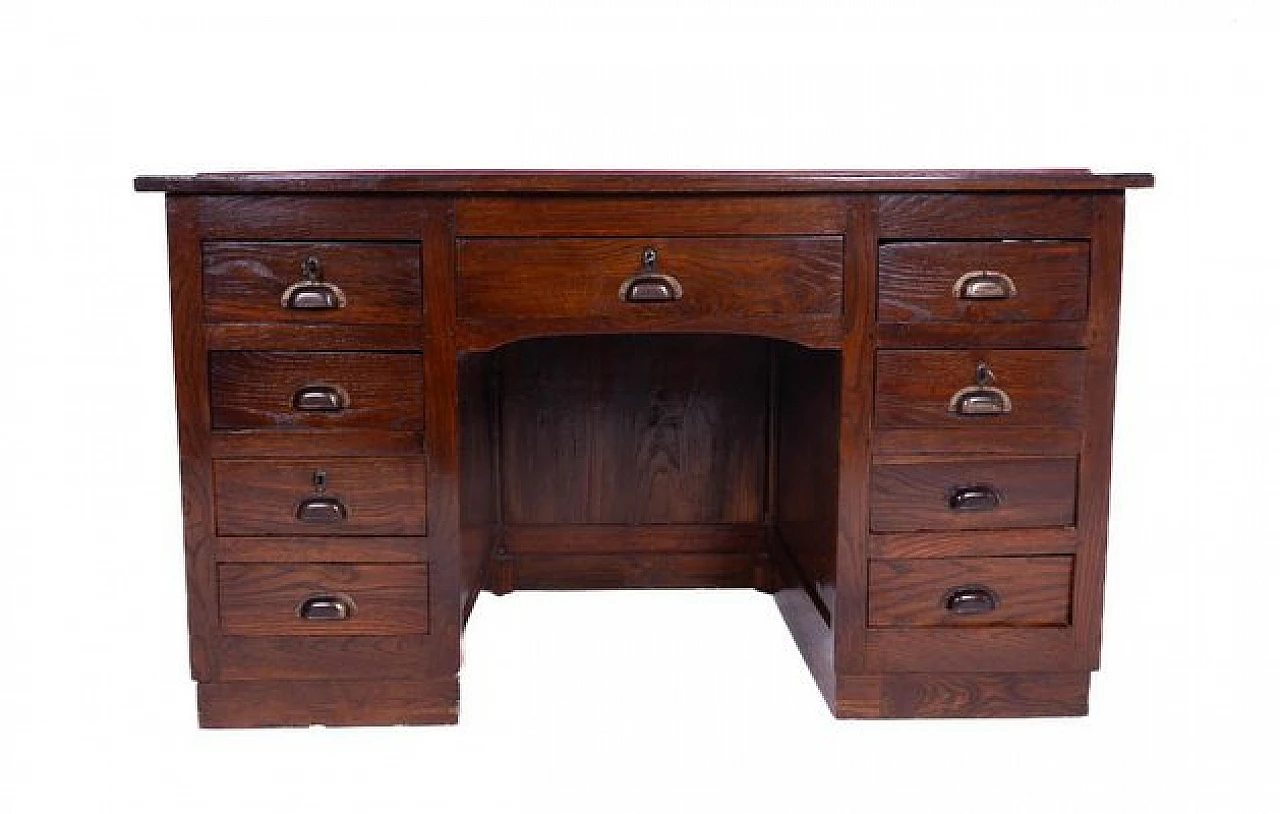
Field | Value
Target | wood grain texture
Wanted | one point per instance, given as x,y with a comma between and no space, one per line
479,518
345,658
636,181
256,390
914,388
857,387
993,335
323,218
917,280
578,572
1095,448
672,538
985,216
964,695
320,549
244,281
806,454
381,496
977,440
191,388
916,495
1031,591
580,278
299,336
634,430
263,599
594,216
332,703
984,543
970,649
279,443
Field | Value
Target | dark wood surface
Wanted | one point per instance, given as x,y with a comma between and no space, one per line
508,423
381,496
917,281
264,599
912,593
917,494
256,390
641,181
581,278
914,388
245,281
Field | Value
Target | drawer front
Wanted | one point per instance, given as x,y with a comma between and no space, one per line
360,496
976,493
254,390
970,592
978,282
322,600
591,278
350,283
1020,388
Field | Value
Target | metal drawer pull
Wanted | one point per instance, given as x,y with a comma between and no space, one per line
649,285
322,510
984,285
971,600
974,499
983,398
312,293
320,398
326,608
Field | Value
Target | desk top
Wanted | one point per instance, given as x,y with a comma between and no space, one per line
641,181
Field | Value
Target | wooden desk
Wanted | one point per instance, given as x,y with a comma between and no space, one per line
885,398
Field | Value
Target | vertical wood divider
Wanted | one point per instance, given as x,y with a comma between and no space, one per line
1105,256
440,372
191,377
857,387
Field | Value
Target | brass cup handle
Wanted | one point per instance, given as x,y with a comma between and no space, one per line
326,608
313,296
321,510
974,499
984,285
981,401
319,398
650,287
971,600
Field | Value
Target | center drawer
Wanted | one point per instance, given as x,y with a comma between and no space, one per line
638,279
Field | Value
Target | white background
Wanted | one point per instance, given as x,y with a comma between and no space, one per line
633,701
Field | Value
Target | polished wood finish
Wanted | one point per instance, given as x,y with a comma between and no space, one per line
915,388
508,182
1049,281
485,411
574,278
269,600
245,281
251,390
1028,591
922,494
381,496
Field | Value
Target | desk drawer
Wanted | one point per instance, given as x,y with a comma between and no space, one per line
973,493
356,496
288,281
979,388
322,600
638,279
254,390
970,592
980,282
